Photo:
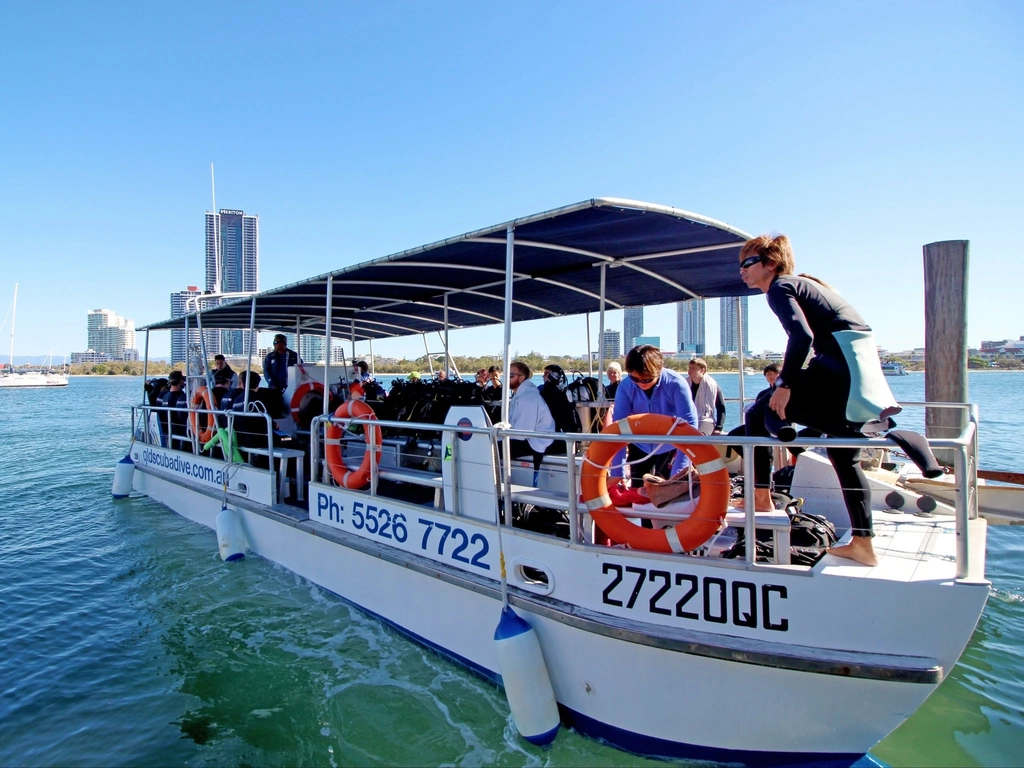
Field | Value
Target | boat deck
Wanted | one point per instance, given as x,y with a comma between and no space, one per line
912,548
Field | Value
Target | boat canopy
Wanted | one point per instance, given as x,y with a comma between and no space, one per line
647,254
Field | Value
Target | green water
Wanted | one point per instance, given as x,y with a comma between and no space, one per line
126,641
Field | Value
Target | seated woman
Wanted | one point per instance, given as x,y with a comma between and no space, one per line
652,388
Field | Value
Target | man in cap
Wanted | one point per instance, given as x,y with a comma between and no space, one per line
221,368
276,363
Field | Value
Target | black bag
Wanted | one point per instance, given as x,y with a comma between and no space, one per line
567,418
810,536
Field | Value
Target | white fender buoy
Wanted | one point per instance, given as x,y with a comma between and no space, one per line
123,473
229,535
526,680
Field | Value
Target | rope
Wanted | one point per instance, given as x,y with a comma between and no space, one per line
501,563
676,421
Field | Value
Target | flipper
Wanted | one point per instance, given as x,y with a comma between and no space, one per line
917,449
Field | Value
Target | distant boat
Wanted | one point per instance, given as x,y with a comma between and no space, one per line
10,377
894,369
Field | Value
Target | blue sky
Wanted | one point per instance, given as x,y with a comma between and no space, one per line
863,130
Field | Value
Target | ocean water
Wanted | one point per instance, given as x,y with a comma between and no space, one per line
126,641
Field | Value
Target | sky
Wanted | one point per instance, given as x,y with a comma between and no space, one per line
863,130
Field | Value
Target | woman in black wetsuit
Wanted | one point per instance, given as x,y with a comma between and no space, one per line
811,312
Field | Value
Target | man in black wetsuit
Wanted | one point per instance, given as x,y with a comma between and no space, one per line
221,367
175,397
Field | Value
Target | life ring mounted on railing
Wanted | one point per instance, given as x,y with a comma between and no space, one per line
690,533
300,393
357,479
200,398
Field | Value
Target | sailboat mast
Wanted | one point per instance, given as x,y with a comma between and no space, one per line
14,313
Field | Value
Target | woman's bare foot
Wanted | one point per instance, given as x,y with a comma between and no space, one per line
762,501
859,549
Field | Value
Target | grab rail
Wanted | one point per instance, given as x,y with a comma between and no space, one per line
965,447
148,410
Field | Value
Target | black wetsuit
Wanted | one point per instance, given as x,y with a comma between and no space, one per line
810,313
179,419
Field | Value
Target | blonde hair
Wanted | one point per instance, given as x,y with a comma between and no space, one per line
775,251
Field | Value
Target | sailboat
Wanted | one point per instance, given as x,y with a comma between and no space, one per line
10,377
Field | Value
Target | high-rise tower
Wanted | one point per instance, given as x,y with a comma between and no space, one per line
612,344
632,325
111,335
730,323
232,263
179,341
690,327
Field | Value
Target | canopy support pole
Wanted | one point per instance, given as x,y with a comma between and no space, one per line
447,355
601,351
510,245
248,364
506,390
590,355
145,368
426,351
740,344
327,362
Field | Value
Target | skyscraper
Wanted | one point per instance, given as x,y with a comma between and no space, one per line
311,348
690,327
110,334
179,341
232,264
612,344
730,323
632,325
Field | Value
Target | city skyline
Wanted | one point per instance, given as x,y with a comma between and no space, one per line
346,167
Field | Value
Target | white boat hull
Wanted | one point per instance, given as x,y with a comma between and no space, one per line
1001,503
700,687
17,380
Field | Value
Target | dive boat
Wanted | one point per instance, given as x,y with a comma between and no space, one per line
684,654
10,377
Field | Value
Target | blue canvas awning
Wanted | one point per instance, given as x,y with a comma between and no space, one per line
653,255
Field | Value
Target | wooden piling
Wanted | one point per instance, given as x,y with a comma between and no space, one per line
945,329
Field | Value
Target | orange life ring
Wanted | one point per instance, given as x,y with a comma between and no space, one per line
691,532
353,479
301,392
199,398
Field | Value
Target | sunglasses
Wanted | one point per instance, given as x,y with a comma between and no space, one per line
750,261
638,380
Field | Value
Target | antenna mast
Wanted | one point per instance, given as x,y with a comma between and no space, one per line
14,312
216,234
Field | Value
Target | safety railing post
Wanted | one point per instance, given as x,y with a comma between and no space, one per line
570,467
749,530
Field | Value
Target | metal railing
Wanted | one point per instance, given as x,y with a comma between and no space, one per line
143,417
964,446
